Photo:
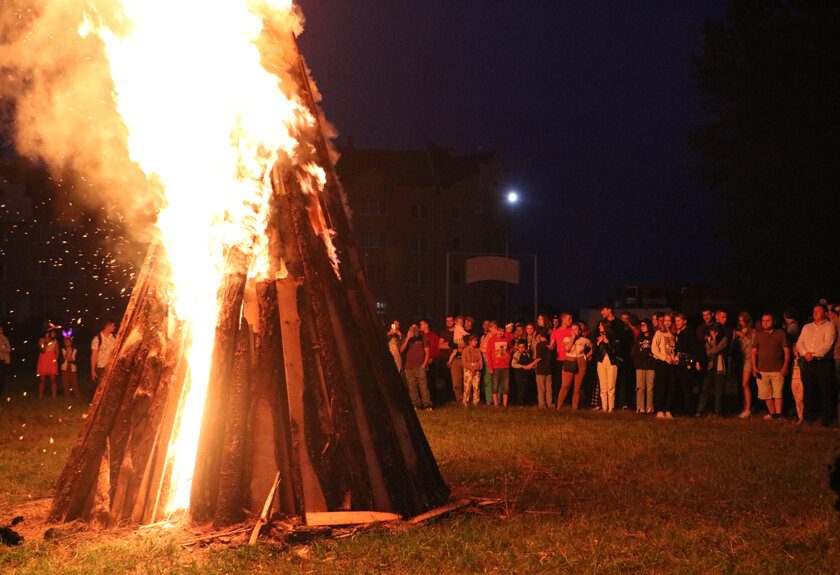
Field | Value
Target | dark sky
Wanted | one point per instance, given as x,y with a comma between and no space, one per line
588,102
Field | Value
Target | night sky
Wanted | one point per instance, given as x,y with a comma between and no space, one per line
588,102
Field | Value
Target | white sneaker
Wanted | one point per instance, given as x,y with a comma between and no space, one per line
660,415
668,415
744,414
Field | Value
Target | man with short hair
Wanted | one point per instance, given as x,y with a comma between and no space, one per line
488,328
689,354
101,349
621,338
416,350
433,341
791,325
453,372
815,347
770,364
703,329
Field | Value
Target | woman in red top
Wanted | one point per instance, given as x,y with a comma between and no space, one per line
47,362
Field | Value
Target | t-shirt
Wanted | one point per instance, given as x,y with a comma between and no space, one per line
433,341
770,347
557,336
415,353
105,344
498,352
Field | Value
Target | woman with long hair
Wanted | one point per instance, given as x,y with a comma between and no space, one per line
663,347
47,362
645,365
607,367
578,348
744,335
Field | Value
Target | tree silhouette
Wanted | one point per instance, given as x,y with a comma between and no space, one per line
769,75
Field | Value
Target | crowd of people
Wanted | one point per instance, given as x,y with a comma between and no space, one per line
660,366
57,359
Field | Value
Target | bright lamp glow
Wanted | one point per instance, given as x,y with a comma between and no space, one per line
512,197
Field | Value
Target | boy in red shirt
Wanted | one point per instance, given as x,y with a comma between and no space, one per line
498,363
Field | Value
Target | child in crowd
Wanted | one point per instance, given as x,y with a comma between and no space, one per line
69,379
523,369
47,361
473,364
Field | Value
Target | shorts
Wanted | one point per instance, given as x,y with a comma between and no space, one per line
770,385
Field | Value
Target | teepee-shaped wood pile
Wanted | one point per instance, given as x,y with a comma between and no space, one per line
304,399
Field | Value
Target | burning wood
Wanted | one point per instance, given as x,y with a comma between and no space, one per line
279,392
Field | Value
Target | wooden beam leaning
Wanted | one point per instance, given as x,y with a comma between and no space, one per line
205,485
72,499
287,305
232,483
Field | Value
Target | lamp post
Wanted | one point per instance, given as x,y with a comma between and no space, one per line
511,199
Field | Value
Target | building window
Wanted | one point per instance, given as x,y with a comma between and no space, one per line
381,309
419,211
374,206
376,273
373,239
421,245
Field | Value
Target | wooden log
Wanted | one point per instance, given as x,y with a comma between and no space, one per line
232,474
205,485
272,450
131,426
287,305
150,403
150,508
72,499
428,486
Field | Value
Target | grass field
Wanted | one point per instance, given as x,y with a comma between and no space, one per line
581,493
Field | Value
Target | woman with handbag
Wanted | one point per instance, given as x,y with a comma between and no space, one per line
578,348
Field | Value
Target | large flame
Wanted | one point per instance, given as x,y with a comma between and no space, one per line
208,121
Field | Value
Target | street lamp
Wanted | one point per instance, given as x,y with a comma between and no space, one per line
512,197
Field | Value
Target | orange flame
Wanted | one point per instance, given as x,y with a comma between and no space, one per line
208,121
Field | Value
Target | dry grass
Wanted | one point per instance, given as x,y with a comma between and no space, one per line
582,493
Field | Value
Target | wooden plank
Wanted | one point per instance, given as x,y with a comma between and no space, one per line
350,518
460,504
287,306
266,511
205,485
232,483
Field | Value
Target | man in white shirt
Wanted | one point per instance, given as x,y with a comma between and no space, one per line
101,349
816,351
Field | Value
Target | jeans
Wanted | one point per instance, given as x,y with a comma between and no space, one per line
418,388
607,374
544,392
644,389
501,380
712,383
